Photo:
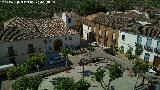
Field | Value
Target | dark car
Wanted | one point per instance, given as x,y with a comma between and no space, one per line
109,51
85,62
98,59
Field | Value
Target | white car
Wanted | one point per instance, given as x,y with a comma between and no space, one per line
95,44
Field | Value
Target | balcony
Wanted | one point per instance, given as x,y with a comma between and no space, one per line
157,50
147,48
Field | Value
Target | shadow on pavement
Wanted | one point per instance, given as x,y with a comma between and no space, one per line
87,73
56,80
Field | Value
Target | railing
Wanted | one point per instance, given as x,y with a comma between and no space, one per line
147,48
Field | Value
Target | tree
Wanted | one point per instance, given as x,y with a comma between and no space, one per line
139,49
24,83
69,84
65,52
91,48
19,71
130,55
66,84
99,77
114,48
82,85
140,69
115,71
36,60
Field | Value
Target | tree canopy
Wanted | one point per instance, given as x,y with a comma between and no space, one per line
82,7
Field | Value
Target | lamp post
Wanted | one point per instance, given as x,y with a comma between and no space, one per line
82,61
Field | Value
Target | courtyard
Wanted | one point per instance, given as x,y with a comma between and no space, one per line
123,83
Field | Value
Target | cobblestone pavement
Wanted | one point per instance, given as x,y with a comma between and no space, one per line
122,83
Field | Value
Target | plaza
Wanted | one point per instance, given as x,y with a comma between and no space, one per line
123,83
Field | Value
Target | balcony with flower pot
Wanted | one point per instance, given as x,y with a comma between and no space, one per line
157,50
148,48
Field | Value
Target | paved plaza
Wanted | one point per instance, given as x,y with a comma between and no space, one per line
123,83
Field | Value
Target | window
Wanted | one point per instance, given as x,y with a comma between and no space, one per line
149,42
70,38
30,48
139,40
158,44
88,27
146,57
10,51
45,41
69,20
65,38
123,37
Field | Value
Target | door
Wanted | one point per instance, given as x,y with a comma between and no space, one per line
31,49
156,61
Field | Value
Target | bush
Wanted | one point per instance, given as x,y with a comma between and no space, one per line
15,72
82,85
24,83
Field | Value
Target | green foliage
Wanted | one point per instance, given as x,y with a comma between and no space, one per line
139,49
91,48
82,85
66,84
99,74
140,68
36,59
129,54
115,71
22,69
65,52
82,7
15,72
69,84
24,83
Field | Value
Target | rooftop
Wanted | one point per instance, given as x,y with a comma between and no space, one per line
27,28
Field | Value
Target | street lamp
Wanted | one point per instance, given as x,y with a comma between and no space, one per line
82,61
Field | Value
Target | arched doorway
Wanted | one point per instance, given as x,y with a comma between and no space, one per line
57,44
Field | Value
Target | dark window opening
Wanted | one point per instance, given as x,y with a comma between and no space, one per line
123,37
31,49
70,38
69,20
45,41
11,51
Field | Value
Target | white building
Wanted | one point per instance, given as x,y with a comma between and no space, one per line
70,18
145,35
21,36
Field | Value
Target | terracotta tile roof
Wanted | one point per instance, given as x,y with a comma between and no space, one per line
27,28
88,20
152,30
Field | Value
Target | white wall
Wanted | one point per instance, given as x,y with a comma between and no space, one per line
130,40
21,47
86,30
73,20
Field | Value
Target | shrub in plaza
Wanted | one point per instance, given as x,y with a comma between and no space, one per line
22,69
70,84
115,71
24,83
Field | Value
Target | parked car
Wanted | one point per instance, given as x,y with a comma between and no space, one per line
109,51
98,59
85,62
95,44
